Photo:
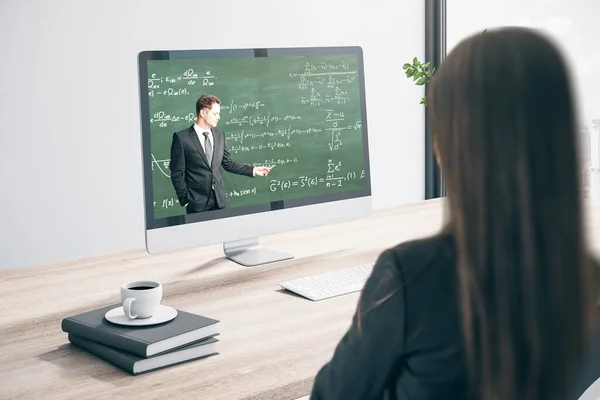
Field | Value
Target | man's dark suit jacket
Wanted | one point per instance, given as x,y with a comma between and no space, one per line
191,175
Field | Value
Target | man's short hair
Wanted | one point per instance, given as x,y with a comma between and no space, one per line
206,101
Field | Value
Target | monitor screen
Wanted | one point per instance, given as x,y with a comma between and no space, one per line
229,133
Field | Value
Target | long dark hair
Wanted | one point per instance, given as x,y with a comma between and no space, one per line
503,121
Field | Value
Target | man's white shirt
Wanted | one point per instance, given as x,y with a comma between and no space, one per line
200,133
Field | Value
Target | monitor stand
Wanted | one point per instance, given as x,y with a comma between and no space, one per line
249,253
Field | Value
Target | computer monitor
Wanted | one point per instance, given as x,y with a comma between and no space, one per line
300,112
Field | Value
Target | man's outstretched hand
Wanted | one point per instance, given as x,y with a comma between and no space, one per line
261,171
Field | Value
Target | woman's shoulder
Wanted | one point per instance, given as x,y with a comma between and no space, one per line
410,258
399,269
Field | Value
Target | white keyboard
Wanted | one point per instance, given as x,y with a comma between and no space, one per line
330,284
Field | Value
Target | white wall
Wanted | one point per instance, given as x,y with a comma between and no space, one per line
69,116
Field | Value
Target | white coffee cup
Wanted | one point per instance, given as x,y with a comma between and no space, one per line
141,298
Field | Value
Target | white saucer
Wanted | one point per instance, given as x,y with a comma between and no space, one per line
163,314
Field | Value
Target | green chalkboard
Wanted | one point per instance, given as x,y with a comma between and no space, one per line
300,114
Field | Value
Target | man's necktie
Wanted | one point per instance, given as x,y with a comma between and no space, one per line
208,148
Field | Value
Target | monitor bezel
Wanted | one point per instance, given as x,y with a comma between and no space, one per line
152,223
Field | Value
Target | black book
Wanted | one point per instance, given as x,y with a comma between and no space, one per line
143,341
136,365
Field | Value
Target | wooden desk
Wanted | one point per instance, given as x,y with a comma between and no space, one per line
271,345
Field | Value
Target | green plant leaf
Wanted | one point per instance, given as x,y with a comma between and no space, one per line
422,73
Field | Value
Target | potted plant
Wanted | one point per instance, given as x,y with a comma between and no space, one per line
421,72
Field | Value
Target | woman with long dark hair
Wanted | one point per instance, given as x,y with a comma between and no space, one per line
500,304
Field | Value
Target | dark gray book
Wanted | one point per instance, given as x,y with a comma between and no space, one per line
144,341
136,365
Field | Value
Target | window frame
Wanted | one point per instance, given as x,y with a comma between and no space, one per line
435,52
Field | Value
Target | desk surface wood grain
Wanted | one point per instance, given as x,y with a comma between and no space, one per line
272,343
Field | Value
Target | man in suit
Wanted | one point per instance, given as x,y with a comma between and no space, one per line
198,156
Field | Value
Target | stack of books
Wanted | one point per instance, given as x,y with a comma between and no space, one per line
140,349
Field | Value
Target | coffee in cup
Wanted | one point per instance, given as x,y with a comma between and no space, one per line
141,298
